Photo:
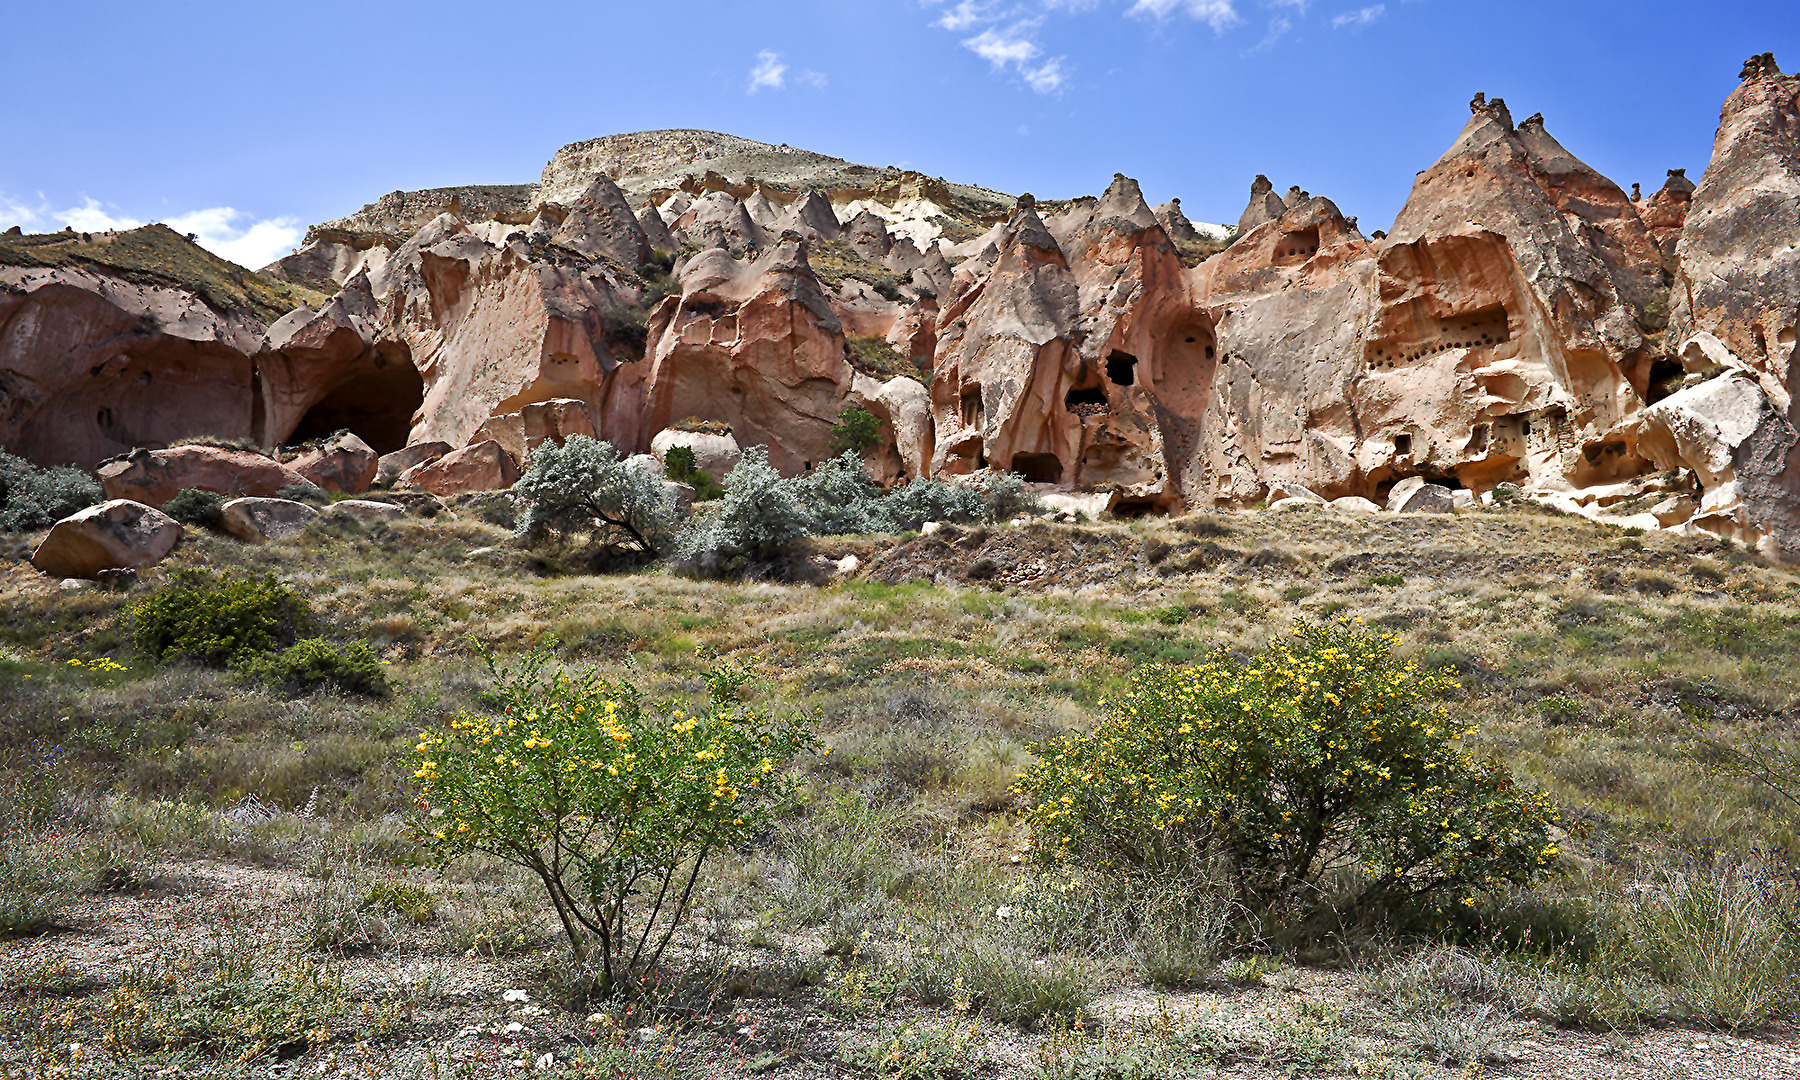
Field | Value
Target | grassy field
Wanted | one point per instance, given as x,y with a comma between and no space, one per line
206,875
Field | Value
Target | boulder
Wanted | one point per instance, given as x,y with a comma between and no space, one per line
341,463
257,521
1462,499
554,421
114,535
714,454
1414,495
1700,428
1281,490
484,466
1355,504
366,511
392,465
156,476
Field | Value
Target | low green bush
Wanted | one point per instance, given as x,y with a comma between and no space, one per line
193,506
204,619
680,466
314,663
34,498
310,494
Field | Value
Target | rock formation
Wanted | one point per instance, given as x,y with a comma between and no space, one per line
1524,321
116,535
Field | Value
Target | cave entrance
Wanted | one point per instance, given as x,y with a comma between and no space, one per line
1665,379
377,404
971,407
1038,468
1086,401
1121,368
1297,246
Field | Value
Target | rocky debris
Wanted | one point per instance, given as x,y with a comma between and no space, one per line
366,511
392,465
482,466
156,476
1414,495
341,463
1739,276
1282,489
258,521
114,535
1354,504
714,454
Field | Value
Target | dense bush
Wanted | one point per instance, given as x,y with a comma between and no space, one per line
585,485
841,496
1321,763
680,466
34,498
315,663
192,506
760,515
614,803
206,620
856,429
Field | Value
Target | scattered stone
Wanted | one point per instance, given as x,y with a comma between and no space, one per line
1282,490
367,511
485,466
392,465
1355,504
341,463
1414,495
153,477
257,521
113,535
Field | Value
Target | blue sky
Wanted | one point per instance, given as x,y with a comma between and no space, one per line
246,122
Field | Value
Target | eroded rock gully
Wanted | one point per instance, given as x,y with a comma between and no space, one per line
1524,321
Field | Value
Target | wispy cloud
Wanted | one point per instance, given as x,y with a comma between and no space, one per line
1012,48
1360,18
222,230
1218,14
769,73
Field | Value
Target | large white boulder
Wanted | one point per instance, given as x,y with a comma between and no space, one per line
257,521
714,454
114,535
1416,495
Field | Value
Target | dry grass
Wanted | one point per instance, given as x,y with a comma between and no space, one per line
901,885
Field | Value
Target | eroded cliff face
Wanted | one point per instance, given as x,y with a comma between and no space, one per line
1516,324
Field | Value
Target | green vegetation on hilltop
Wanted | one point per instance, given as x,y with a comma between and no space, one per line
157,255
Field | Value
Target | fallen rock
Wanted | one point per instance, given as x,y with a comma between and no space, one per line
154,477
1674,510
1355,504
390,466
341,463
367,511
1414,495
484,466
714,455
1281,490
257,521
1462,499
111,536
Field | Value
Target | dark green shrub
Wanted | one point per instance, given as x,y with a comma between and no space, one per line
34,498
314,663
205,620
680,466
856,429
192,506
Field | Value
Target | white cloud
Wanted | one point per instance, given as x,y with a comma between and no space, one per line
815,79
1218,14
255,246
1013,48
222,230
966,14
769,72
1358,18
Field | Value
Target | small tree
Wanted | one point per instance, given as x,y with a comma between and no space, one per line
584,485
680,465
856,429
841,496
1324,756
34,498
759,517
613,802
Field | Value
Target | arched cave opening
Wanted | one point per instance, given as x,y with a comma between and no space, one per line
1121,368
1038,468
1137,508
377,403
1665,379
1086,400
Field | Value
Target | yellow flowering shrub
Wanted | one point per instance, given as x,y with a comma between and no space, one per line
1325,756
613,801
